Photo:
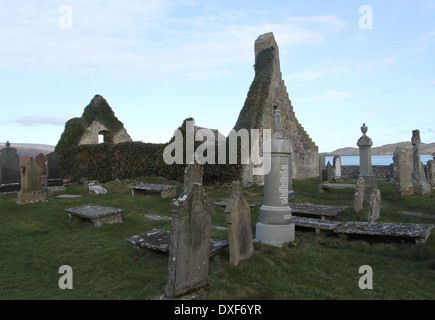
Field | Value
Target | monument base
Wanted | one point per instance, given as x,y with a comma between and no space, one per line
31,197
274,235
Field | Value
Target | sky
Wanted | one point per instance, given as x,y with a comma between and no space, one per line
344,63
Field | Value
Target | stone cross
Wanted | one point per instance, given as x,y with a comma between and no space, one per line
9,169
238,217
419,181
190,242
402,169
274,226
31,184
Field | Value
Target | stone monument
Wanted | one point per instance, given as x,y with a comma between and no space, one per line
274,226
238,217
193,173
431,171
336,168
31,184
374,205
9,170
402,169
365,162
358,202
419,181
54,181
190,242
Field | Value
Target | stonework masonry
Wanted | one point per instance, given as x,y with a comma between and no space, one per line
305,152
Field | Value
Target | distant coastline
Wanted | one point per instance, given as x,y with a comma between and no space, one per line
388,149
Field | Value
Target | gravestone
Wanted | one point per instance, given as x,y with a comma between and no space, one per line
358,202
193,173
238,217
431,171
41,160
97,214
190,242
419,181
322,167
329,171
374,205
365,162
402,169
274,226
54,181
31,184
336,176
9,170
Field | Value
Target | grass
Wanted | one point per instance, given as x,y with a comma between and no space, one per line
36,239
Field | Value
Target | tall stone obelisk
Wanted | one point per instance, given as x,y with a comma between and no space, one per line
274,226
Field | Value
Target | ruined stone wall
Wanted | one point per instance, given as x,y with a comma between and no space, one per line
266,91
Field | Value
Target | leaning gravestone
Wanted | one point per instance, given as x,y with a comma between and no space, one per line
419,181
31,184
193,173
358,202
402,169
190,242
238,217
9,170
54,181
374,206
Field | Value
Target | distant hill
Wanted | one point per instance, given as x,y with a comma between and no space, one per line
388,149
29,149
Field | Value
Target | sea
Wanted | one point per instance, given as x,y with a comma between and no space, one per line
376,160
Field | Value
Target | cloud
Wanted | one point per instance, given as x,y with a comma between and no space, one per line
424,41
313,75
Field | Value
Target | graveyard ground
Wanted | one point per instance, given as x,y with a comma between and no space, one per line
36,239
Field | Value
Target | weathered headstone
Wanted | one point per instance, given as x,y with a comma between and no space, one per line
54,179
31,184
274,226
430,166
374,205
365,162
329,171
322,167
402,169
190,242
419,181
358,202
9,170
41,160
336,168
238,217
193,173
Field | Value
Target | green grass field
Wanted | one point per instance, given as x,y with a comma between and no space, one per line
37,239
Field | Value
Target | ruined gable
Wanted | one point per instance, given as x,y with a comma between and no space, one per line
98,119
266,91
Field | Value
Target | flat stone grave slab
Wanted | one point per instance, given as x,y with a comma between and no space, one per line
327,186
317,224
419,214
98,215
166,190
419,233
159,240
316,210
